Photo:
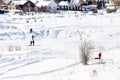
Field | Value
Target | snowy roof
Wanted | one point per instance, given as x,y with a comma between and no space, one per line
19,2
34,1
45,3
75,1
63,3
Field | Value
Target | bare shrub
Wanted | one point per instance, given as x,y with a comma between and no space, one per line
85,51
111,10
10,48
0,55
116,3
17,48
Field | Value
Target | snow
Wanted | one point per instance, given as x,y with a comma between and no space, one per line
55,55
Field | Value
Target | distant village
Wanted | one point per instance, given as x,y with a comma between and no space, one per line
36,6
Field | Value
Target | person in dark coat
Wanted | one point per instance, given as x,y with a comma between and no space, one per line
31,30
32,41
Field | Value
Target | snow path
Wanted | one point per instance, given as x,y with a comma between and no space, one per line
43,73
15,65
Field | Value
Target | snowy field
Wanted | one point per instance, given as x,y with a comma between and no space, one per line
55,55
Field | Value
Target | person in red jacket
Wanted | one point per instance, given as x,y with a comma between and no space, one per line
99,55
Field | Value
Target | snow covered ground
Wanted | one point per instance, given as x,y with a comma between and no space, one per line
55,55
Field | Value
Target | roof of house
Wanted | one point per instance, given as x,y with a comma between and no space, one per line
45,3
75,1
42,3
19,2
63,3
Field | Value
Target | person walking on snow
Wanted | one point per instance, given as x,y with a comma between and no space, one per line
32,41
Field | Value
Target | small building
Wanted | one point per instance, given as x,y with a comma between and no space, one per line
25,6
75,4
12,9
46,5
63,5
11,6
19,4
28,6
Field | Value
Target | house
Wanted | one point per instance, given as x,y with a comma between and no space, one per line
72,5
63,5
19,4
25,6
75,2
28,6
11,6
46,5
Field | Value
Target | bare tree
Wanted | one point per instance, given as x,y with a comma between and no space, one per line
116,3
85,51
1,2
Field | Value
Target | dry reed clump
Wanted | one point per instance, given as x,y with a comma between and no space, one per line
0,55
12,48
116,4
85,51
17,48
111,10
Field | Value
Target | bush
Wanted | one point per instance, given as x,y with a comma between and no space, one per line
111,10
116,3
0,55
85,52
